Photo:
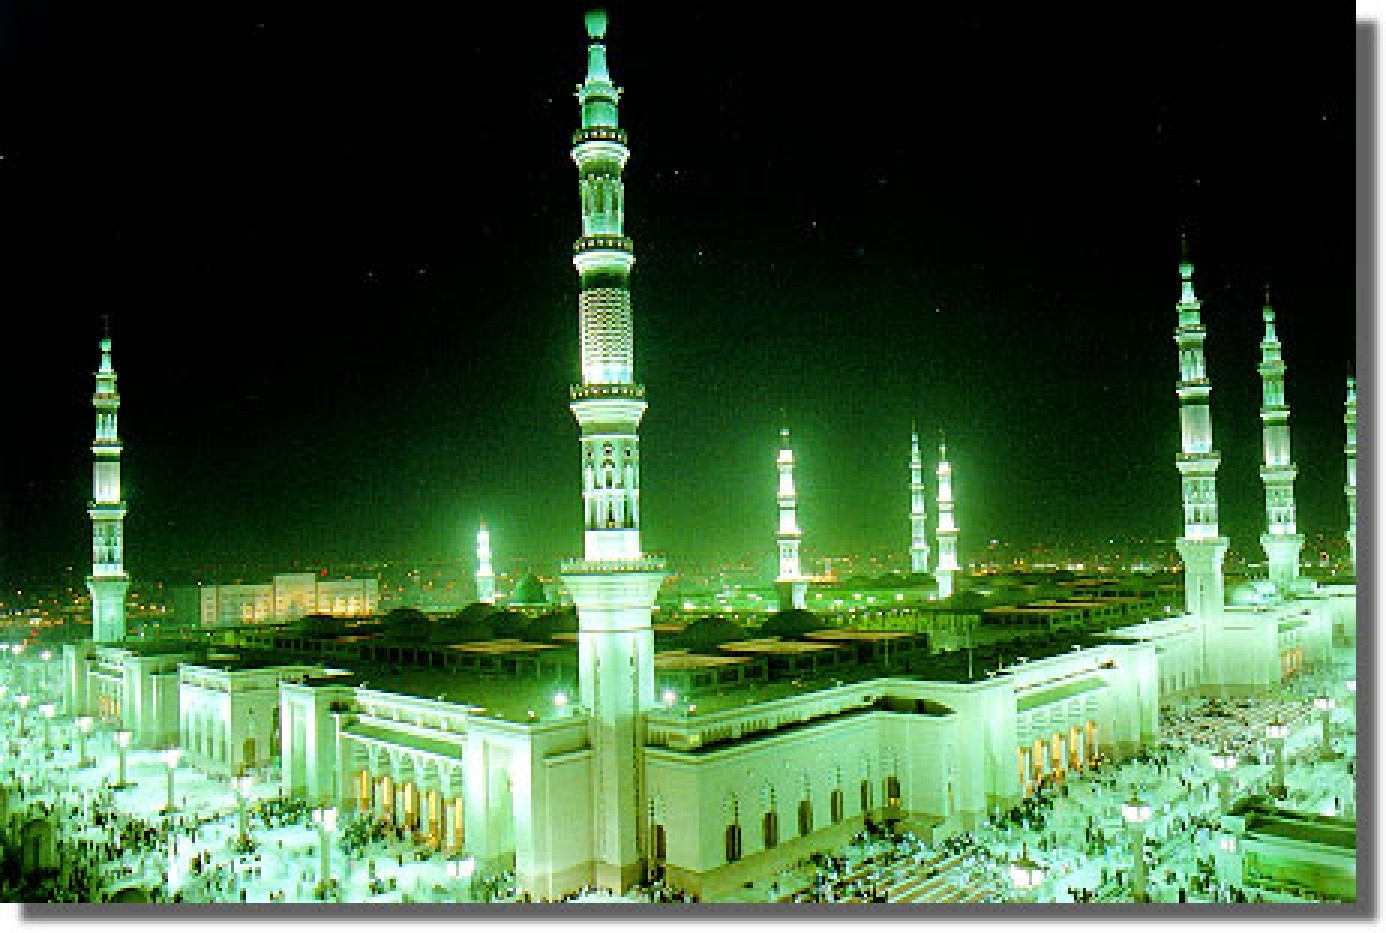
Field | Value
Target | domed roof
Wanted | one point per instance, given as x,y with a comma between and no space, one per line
529,592
1254,593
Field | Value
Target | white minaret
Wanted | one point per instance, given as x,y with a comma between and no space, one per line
108,581
614,585
791,584
1350,449
1201,547
919,534
485,576
1281,541
947,530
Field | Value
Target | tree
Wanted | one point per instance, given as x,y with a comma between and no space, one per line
791,623
321,625
705,634
545,626
406,623
506,623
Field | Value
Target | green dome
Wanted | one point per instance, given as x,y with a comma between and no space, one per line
529,592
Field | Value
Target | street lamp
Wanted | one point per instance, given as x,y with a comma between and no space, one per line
122,739
83,727
1277,732
45,656
326,818
560,703
1324,704
1223,763
462,870
47,709
171,757
241,787
1026,873
1136,813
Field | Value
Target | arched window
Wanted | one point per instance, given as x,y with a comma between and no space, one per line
805,817
865,796
733,838
771,829
835,807
892,787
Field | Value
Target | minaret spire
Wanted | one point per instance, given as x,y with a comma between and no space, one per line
1201,546
485,575
1281,540
1350,450
947,530
791,584
919,535
108,582
614,585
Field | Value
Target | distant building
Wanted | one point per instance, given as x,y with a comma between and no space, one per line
287,597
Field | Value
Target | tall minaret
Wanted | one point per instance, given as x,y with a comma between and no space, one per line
947,531
791,584
614,585
485,576
1201,547
1350,449
108,581
919,534
1281,541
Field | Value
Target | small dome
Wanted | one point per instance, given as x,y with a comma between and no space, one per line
529,591
1254,593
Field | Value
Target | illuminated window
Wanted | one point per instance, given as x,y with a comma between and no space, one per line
770,826
892,784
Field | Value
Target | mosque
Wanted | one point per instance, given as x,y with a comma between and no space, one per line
595,770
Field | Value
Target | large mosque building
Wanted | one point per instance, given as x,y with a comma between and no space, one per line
609,762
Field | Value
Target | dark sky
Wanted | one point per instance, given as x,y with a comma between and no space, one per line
336,258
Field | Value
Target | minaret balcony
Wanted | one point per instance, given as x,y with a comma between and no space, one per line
603,241
600,133
579,393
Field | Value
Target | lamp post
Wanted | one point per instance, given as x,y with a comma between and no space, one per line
462,870
46,657
326,818
241,787
171,757
47,709
83,727
1136,813
1026,874
1277,732
122,739
1224,762
1324,704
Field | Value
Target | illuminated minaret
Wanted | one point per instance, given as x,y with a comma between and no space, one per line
1281,541
108,581
1350,449
947,531
1201,547
614,585
791,584
919,534
485,576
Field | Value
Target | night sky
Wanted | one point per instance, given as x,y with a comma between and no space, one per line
336,259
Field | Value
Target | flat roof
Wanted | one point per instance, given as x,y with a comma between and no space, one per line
848,634
683,661
774,646
502,646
